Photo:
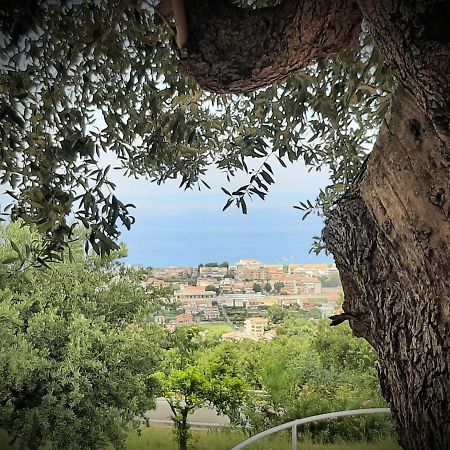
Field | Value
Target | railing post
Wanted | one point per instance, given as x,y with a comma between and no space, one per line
294,436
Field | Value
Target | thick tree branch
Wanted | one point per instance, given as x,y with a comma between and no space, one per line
414,37
232,49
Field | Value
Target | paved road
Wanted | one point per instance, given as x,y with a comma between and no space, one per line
202,417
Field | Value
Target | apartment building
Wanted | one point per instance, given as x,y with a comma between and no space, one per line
241,300
211,313
311,285
212,272
166,273
255,326
194,293
208,282
194,299
251,270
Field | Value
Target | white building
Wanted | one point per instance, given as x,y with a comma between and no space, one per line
241,300
255,326
195,298
211,314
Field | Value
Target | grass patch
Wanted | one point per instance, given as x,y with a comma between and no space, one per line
161,438
215,328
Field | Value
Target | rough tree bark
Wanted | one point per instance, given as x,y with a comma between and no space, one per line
232,49
390,234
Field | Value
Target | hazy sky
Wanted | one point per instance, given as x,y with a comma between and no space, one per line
176,227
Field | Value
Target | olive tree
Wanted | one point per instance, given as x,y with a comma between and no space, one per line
321,79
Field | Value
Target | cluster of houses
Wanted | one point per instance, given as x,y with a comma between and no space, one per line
255,328
222,287
242,277
294,278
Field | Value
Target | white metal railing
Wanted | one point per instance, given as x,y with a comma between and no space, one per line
295,423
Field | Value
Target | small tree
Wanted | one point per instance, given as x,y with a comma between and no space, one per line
188,385
193,388
276,314
278,286
268,287
257,287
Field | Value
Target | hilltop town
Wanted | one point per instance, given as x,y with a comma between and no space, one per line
250,296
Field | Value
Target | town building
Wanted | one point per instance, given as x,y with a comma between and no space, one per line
311,270
208,282
194,310
183,319
275,271
256,302
216,272
172,273
156,282
255,326
306,304
251,270
235,336
195,299
311,285
211,313
194,293
240,300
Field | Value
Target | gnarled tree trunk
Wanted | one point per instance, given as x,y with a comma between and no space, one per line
390,234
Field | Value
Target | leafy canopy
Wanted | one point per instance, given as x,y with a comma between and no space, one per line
78,369
190,382
83,80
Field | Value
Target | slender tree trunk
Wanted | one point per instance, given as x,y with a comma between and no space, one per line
183,431
390,234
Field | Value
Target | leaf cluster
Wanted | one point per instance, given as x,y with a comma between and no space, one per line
78,363
84,82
